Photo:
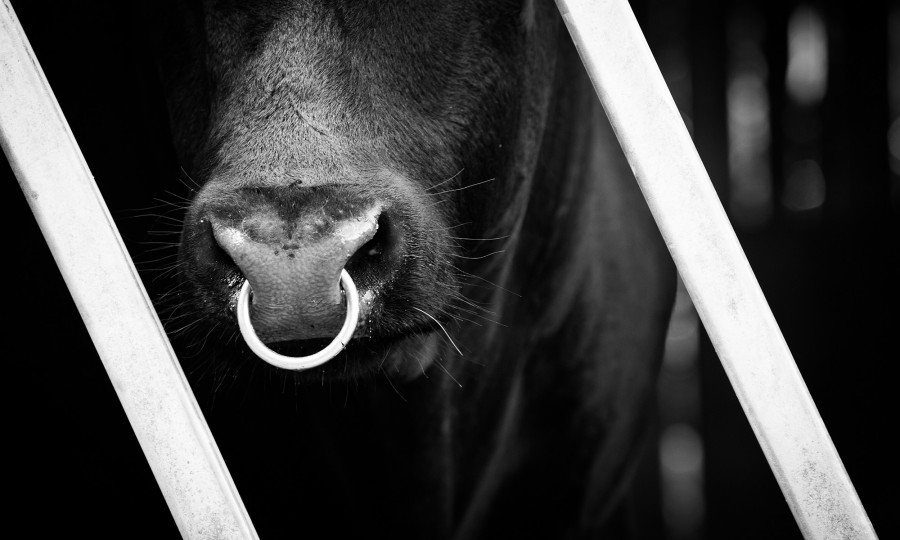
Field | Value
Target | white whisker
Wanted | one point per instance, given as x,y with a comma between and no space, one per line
442,328
462,188
482,256
448,228
438,362
447,180
390,382
478,239
489,282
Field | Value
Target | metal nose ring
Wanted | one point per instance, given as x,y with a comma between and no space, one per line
299,363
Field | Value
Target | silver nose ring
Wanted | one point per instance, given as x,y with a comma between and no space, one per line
299,363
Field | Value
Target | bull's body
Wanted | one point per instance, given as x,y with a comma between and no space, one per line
532,430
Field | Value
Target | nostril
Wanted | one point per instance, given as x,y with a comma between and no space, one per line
378,244
369,264
210,261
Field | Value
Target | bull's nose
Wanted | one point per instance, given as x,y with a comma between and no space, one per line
293,261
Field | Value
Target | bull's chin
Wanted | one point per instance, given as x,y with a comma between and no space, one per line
406,356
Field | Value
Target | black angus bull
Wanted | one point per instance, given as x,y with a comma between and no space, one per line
514,288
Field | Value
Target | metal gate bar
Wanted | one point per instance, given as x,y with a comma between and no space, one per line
111,298
715,270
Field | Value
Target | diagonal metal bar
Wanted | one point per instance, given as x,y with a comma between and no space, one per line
112,301
715,270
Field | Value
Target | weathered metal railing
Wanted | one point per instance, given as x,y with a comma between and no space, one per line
714,270
111,299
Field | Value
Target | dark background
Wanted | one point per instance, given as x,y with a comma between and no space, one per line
829,272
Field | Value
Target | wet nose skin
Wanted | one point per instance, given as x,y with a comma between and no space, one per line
293,254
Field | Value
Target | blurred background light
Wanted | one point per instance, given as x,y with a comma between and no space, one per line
680,446
749,131
681,458
804,187
807,68
894,104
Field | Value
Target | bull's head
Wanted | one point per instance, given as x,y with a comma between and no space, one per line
389,139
